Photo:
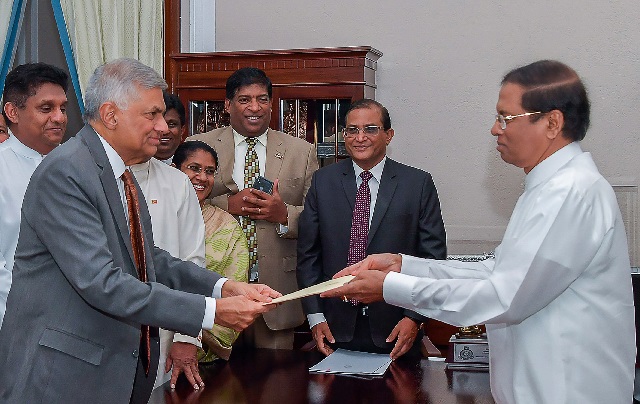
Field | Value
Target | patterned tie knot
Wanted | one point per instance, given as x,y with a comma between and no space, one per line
366,176
251,141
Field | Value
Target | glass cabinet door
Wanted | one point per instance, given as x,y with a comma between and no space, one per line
206,116
319,122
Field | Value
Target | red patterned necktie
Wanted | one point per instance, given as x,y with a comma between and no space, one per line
360,224
360,221
137,244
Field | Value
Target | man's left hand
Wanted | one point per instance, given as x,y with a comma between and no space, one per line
182,357
366,287
404,333
269,207
254,291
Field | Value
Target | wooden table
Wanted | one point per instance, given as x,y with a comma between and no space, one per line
282,377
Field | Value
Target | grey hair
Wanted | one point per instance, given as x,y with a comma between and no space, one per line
118,81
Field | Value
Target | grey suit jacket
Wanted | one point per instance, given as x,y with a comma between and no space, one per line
293,161
72,328
406,220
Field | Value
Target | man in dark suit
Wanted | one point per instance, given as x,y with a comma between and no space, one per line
287,161
75,326
403,216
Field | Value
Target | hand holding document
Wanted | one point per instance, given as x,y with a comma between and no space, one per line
315,289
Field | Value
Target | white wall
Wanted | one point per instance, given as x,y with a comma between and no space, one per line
439,77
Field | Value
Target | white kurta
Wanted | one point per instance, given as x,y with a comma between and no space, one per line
17,164
178,228
557,298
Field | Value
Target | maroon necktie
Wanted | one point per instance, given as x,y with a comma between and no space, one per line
360,221
137,244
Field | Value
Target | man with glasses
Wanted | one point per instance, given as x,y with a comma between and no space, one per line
248,149
557,298
363,205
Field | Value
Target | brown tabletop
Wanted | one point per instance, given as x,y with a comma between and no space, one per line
282,377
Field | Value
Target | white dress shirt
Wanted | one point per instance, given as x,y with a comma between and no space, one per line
17,164
557,298
178,228
374,185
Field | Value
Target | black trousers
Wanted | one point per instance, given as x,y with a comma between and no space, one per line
363,342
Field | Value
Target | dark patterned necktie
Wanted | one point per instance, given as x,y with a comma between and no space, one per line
360,221
251,172
137,244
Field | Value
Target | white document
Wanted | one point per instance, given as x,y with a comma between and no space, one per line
346,362
315,289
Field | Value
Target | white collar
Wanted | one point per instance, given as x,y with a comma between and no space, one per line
117,164
547,167
20,148
238,138
376,171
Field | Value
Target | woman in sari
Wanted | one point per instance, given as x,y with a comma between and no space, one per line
225,243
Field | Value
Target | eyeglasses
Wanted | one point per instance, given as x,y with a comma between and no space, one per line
503,120
353,131
209,172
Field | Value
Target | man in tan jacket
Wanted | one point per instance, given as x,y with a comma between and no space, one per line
246,149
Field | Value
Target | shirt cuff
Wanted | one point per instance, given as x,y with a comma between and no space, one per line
397,289
189,339
315,319
217,288
209,313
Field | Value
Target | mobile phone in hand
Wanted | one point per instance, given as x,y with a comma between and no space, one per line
263,184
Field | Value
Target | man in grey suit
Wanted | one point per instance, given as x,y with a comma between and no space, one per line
287,161
403,216
72,331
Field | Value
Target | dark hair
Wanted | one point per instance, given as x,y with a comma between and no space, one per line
550,85
245,77
171,101
24,81
186,149
370,104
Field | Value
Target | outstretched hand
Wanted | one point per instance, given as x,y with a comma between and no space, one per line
381,262
254,291
366,287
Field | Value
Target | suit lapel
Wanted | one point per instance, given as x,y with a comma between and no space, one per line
349,182
107,178
388,184
226,155
276,150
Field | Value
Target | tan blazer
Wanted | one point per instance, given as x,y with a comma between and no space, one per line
293,161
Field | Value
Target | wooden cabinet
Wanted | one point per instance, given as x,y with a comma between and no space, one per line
312,88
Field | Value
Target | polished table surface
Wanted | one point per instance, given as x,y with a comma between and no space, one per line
282,377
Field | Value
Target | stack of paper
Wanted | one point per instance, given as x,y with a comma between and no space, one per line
344,362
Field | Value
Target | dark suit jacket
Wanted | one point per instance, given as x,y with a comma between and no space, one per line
292,161
406,220
72,328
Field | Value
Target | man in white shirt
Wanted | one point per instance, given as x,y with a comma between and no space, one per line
178,228
34,107
557,299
